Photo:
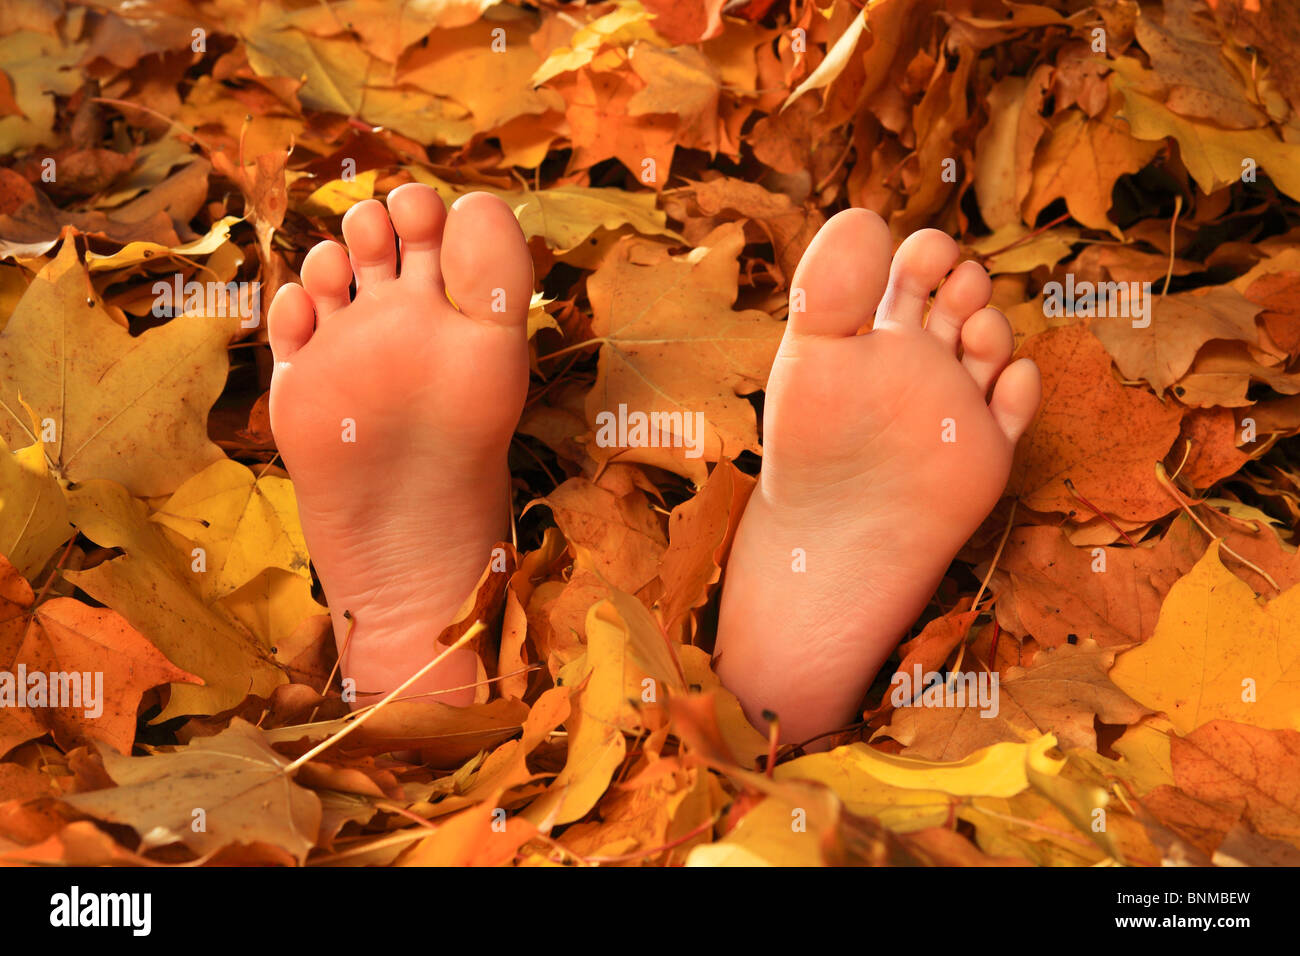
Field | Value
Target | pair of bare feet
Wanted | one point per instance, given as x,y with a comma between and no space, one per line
883,452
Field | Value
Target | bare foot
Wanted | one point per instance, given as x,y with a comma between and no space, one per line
881,456
393,412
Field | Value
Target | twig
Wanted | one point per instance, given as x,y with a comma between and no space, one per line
1168,485
1069,485
54,572
330,741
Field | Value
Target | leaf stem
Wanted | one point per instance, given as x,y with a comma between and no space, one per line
476,629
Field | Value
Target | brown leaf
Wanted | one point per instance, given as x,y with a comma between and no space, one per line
1103,436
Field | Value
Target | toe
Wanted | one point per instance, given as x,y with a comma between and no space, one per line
841,276
369,236
327,277
986,345
418,216
921,261
966,291
291,321
1015,398
485,261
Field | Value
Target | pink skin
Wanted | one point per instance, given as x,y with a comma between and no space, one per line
400,523
856,474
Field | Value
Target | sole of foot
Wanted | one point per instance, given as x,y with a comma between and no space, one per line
393,409
883,452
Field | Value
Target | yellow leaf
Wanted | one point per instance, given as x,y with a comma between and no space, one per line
243,523
338,196
626,23
152,586
565,216
785,829
134,253
1144,748
33,514
1212,155
997,771
601,711
273,605
234,778
837,57
132,409
1216,654
40,67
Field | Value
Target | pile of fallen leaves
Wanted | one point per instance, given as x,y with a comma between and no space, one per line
1137,592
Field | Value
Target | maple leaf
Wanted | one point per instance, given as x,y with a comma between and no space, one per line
234,782
1214,156
155,588
1248,768
670,343
1079,160
1195,668
1092,430
129,409
1162,351
94,662
1061,693
33,515
244,523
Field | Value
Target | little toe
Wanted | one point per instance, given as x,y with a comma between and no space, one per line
419,216
841,276
1015,398
369,237
327,278
290,322
986,344
964,292
485,261
921,261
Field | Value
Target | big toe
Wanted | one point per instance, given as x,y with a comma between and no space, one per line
485,261
841,276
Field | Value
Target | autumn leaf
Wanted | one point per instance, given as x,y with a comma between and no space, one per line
1214,156
1062,692
92,666
1079,160
1247,768
150,434
243,523
33,515
233,782
1162,351
1196,668
156,589
670,343
1090,429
